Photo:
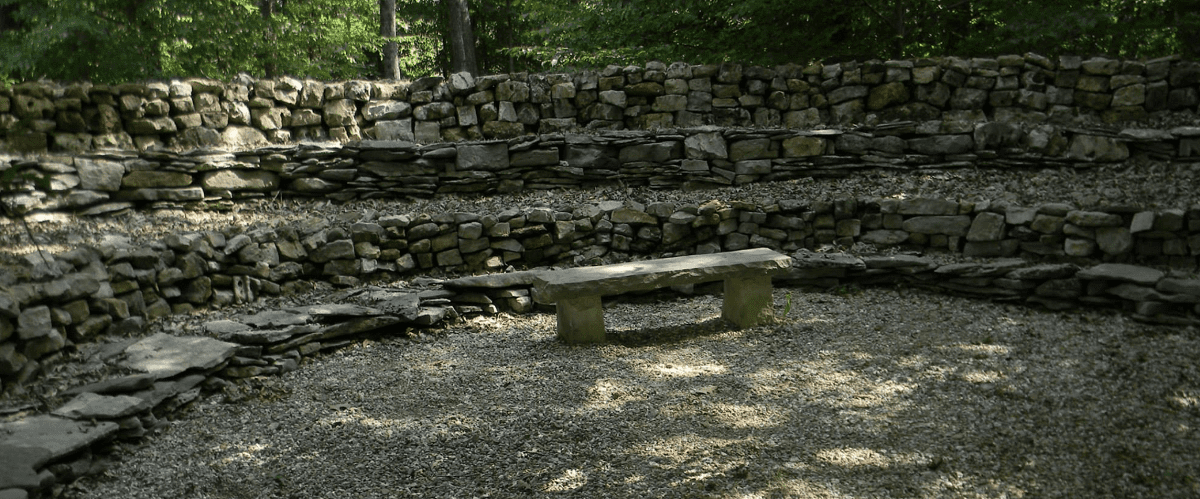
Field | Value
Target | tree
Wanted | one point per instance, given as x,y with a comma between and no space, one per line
462,38
387,29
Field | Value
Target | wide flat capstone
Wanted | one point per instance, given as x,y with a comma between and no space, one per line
550,286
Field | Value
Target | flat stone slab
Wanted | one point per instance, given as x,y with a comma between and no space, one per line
276,318
18,466
550,286
123,384
1122,272
57,436
164,355
96,406
506,280
336,309
267,336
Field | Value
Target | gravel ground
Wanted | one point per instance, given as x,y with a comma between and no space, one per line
867,393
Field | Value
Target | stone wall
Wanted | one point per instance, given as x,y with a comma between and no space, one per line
246,112
118,286
689,158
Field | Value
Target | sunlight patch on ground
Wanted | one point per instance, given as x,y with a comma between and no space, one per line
685,371
248,454
569,480
852,457
607,394
746,416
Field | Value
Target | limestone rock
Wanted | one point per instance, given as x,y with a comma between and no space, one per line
1122,272
165,355
89,405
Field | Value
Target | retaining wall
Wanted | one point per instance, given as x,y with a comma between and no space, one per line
195,112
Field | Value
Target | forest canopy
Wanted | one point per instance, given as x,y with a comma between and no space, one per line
107,41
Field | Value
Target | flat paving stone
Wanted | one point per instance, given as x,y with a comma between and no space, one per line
1122,272
276,318
18,466
506,280
336,309
57,436
165,355
95,406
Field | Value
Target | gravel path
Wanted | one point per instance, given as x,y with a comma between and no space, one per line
866,393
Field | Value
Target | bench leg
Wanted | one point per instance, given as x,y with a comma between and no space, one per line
748,301
581,320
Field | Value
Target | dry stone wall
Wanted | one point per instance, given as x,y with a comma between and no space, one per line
689,158
195,112
118,286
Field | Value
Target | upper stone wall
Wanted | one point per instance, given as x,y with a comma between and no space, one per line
247,113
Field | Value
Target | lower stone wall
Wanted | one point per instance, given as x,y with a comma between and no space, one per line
119,286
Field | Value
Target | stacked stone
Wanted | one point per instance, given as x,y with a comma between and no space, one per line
118,287
247,112
95,184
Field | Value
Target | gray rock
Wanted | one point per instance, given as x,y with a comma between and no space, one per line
240,180
1114,240
165,355
57,437
122,384
494,281
550,286
89,405
487,157
948,225
1122,272
34,322
1180,286
1094,219
942,144
18,469
1095,148
335,310
99,175
884,237
927,206
987,226
899,262
275,318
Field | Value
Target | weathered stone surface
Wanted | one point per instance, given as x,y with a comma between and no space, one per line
122,384
948,225
1122,272
927,206
494,281
1181,286
156,179
240,180
87,405
987,226
884,237
942,144
632,216
1093,219
165,355
336,310
1096,148
18,469
99,175
550,286
487,157
57,437
34,322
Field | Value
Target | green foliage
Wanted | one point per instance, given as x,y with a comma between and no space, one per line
109,41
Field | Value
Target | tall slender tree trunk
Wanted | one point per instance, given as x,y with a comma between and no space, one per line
387,29
267,9
462,38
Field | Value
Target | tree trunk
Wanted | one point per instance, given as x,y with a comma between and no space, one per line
267,9
387,29
462,38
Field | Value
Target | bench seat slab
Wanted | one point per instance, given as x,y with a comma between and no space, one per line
550,287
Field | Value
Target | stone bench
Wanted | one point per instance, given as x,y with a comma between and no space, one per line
576,292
